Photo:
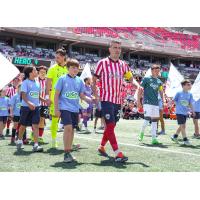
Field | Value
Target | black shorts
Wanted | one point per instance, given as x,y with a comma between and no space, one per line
69,118
110,111
16,118
3,119
29,117
98,113
44,112
181,119
197,115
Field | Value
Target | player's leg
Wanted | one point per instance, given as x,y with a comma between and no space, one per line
155,115
8,126
1,128
68,121
41,129
95,123
14,129
35,125
162,123
147,119
196,125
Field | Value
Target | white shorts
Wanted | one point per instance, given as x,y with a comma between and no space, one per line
151,111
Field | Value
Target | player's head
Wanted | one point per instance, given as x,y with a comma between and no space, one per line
186,85
155,70
87,81
16,82
42,71
30,73
73,67
3,92
115,49
61,55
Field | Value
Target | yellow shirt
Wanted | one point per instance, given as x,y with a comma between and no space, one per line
54,73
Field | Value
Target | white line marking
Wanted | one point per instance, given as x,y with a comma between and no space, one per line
144,147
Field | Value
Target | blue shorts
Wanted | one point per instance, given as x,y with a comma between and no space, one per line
3,119
69,118
181,119
197,115
110,111
29,117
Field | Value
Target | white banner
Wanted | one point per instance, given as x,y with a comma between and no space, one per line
196,88
86,73
173,82
8,71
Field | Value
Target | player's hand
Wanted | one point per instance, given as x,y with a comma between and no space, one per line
96,100
31,106
57,113
139,105
48,102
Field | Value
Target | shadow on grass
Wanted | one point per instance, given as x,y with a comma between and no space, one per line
72,165
153,145
23,153
84,132
111,163
190,146
53,151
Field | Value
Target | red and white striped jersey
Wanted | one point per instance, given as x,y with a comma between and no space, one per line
42,90
11,91
111,75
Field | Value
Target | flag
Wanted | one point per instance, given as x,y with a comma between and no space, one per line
173,81
8,72
86,73
196,88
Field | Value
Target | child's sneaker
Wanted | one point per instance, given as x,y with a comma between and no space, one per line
68,158
102,151
19,146
121,158
187,143
174,139
37,148
155,141
12,141
141,136
2,137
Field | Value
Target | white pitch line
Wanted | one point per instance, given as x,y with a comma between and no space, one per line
144,147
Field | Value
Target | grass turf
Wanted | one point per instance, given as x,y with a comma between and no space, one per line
143,157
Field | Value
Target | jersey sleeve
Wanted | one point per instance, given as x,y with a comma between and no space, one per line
176,97
98,69
24,87
50,73
82,88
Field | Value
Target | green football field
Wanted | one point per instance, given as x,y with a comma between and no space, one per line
143,157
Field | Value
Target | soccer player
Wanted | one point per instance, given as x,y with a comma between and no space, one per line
196,106
30,109
4,108
15,103
11,91
111,72
86,113
44,110
53,74
69,89
183,101
150,87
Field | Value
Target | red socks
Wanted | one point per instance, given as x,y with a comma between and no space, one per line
109,135
41,131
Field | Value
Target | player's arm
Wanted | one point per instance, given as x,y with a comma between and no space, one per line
48,90
56,98
94,86
162,94
139,97
85,98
